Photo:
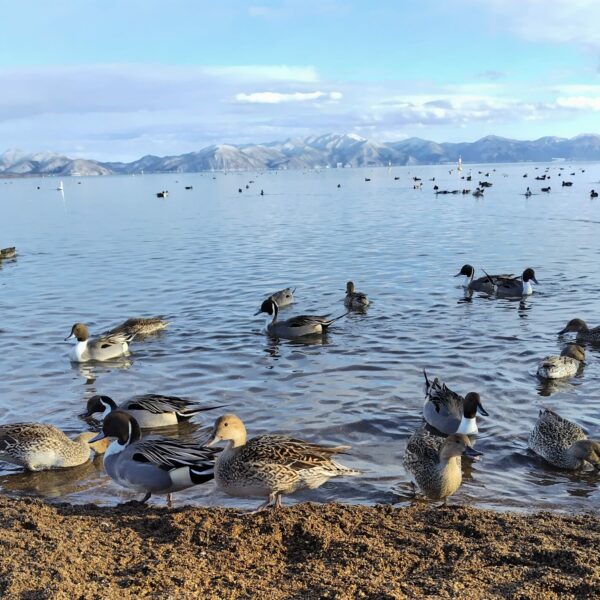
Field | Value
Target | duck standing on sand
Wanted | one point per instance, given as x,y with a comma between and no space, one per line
563,443
38,447
435,462
271,465
566,365
101,348
154,465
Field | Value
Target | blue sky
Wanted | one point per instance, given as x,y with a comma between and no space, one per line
114,79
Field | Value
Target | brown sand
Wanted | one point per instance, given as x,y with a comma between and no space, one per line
306,551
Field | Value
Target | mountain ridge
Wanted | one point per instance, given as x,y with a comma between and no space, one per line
316,151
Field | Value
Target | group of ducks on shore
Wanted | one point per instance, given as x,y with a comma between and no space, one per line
269,466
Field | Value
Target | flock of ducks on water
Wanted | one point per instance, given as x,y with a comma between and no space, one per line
269,466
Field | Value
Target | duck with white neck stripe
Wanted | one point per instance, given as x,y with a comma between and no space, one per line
448,412
154,465
101,348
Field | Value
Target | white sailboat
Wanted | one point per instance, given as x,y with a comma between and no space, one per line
60,187
459,164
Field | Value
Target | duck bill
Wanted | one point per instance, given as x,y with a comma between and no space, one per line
257,312
458,275
562,331
69,336
482,411
472,453
97,438
211,442
535,280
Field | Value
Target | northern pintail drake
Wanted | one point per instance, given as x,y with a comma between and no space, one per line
563,443
584,333
139,326
149,410
105,347
8,252
154,465
296,327
38,447
565,365
448,412
435,462
484,284
271,465
284,297
355,299
517,286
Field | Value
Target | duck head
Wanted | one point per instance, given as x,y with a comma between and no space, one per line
80,332
350,287
228,428
100,404
574,351
458,444
269,306
529,275
119,425
467,271
587,450
471,406
575,325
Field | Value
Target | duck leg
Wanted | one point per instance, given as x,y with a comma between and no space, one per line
277,501
146,498
170,500
265,505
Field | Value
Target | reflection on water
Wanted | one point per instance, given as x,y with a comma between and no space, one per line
107,249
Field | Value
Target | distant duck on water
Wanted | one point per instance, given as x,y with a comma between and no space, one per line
486,284
139,326
6,253
584,333
295,327
517,286
566,365
104,347
162,194
355,299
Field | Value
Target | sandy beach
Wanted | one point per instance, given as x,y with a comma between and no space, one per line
304,551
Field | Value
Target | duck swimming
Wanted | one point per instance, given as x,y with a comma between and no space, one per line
517,286
565,365
484,284
139,326
101,348
435,462
562,443
38,447
271,465
584,333
295,327
8,252
355,299
154,465
448,412
149,410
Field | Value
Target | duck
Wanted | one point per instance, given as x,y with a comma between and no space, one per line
40,447
8,252
435,462
139,326
149,410
584,333
448,412
355,299
296,327
270,465
593,194
105,347
283,297
154,465
481,284
563,443
565,365
517,286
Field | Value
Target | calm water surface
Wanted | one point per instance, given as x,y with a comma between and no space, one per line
109,249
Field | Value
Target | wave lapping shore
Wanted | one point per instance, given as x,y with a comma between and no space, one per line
306,551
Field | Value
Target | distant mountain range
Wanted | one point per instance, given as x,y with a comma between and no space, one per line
323,151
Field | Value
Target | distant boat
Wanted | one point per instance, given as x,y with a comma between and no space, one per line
459,168
60,187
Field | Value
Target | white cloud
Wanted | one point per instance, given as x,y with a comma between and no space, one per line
279,97
579,102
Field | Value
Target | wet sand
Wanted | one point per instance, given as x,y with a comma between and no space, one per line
305,551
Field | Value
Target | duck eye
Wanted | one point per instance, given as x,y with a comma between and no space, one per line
225,424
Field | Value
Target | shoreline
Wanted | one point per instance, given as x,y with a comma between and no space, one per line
302,551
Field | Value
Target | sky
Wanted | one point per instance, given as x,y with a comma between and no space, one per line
118,79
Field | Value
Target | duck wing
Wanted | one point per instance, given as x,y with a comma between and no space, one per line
158,404
170,454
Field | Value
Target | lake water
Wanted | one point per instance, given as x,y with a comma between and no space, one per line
108,249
